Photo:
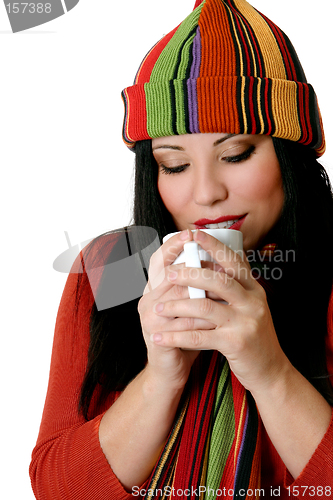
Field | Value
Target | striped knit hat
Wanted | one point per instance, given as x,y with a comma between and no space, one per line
226,68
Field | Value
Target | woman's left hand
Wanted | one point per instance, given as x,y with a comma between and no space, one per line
244,331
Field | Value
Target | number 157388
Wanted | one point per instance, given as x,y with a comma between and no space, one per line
26,7
310,491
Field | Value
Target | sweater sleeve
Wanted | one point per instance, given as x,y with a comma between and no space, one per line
318,473
67,461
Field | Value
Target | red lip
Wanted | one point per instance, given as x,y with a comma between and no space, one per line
203,222
238,224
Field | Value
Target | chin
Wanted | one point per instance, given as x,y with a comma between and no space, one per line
250,244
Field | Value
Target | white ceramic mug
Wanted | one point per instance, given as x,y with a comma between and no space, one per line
193,254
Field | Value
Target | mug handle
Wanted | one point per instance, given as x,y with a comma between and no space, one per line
192,259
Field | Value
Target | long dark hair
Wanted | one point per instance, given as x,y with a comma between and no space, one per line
299,301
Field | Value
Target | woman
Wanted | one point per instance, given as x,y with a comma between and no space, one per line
196,398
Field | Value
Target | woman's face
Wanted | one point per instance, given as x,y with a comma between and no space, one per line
221,180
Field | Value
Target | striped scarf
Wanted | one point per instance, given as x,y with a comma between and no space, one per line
213,449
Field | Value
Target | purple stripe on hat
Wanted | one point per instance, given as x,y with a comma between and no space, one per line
196,53
192,84
242,445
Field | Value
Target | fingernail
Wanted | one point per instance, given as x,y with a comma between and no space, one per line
185,235
159,307
172,275
156,337
199,235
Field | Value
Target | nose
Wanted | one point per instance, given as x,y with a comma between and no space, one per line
209,187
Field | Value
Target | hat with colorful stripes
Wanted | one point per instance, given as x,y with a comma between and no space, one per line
226,68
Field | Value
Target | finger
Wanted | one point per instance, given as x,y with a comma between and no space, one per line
169,251
160,280
218,283
207,309
166,290
211,265
184,324
234,264
214,267
188,340
165,286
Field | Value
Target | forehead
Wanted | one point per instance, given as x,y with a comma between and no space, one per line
182,142
207,140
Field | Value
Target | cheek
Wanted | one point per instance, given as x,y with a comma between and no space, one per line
171,194
263,185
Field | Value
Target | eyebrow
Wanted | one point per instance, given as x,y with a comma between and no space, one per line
222,139
179,148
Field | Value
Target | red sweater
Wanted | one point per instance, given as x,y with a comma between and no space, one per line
68,462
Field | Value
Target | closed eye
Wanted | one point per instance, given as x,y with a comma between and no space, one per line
240,157
174,170
230,159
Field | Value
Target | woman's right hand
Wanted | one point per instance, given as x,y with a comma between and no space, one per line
167,365
134,429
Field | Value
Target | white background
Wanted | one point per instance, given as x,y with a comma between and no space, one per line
64,167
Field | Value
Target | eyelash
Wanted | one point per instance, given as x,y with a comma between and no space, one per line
241,157
174,170
228,159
